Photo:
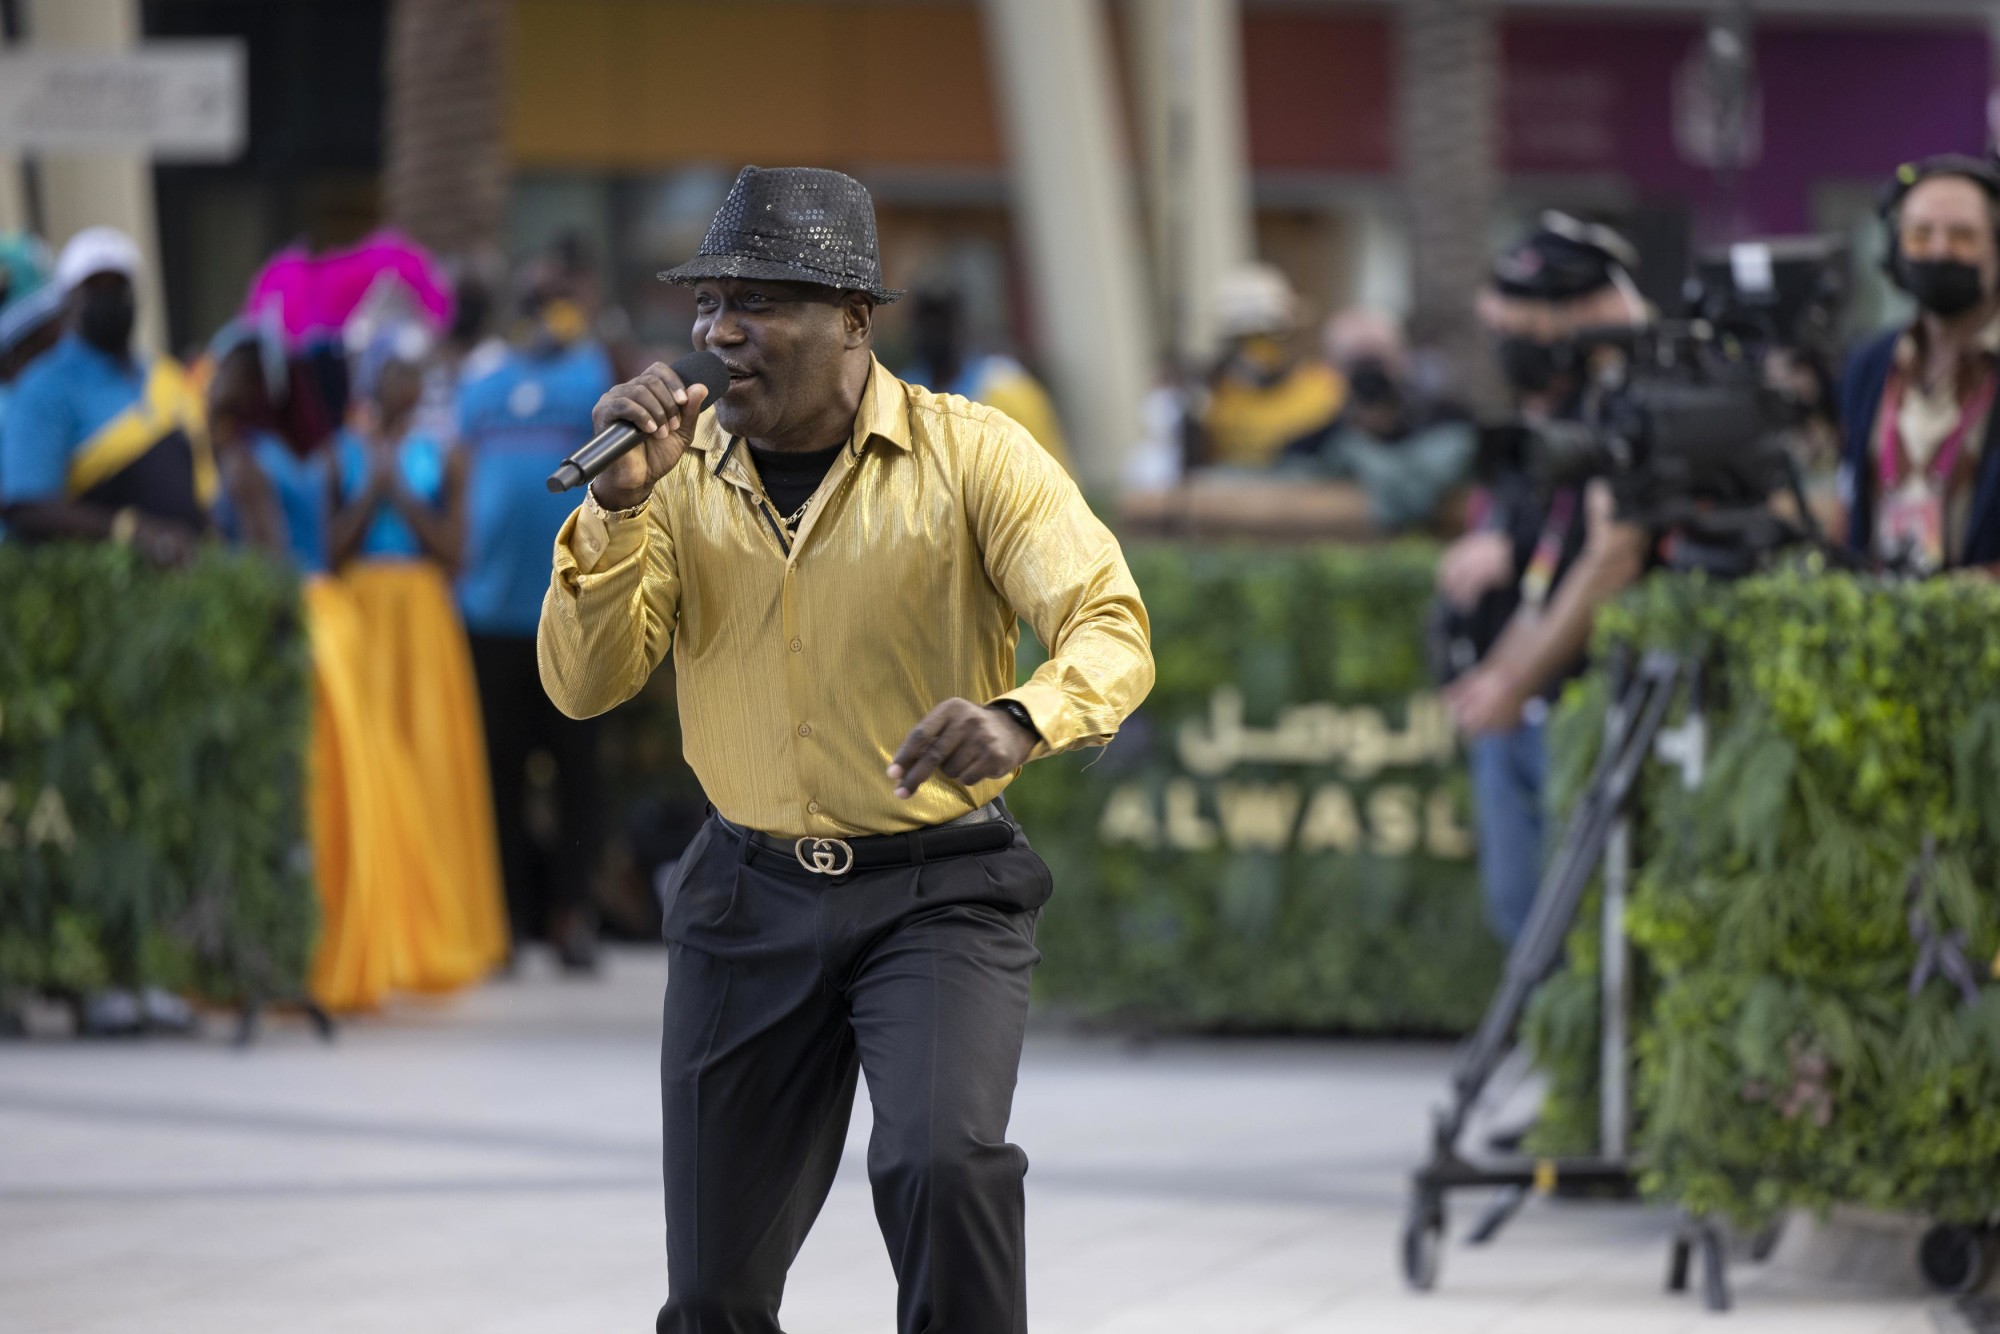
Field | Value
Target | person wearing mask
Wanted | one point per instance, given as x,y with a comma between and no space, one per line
99,441
1403,448
397,498
1920,465
945,363
1524,584
1261,395
518,422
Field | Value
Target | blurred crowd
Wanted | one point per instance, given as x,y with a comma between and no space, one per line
362,420
386,423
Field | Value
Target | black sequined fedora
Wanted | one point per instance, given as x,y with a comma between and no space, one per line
792,224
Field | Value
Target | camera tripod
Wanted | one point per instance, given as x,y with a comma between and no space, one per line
1596,836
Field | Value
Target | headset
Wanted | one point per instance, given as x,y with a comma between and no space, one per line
1983,172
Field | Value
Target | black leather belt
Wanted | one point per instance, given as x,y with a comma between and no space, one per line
840,856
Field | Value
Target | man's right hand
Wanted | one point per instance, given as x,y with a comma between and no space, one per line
664,410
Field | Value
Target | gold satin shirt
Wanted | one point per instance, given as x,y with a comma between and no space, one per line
802,663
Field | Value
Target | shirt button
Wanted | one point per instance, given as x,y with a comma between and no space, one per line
805,729
812,808
796,646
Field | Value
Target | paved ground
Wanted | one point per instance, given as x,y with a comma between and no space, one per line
489,1165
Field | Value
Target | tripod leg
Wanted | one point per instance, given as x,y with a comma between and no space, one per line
1504,1207
1714,1274
1629,733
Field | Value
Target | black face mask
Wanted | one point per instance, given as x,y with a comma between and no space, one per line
1371,383
1944,287
106,317
1531,367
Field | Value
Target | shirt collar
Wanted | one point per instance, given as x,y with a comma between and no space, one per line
884,414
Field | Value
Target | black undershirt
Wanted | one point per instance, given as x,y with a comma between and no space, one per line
789,478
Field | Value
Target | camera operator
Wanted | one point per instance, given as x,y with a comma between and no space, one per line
1920,467
1526,582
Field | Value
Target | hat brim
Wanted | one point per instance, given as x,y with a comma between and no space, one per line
739,266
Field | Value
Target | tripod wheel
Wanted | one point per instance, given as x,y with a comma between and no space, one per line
1423,1246
1956,1259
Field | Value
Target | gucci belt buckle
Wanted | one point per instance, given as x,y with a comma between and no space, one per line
825,856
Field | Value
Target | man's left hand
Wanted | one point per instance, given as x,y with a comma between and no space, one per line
1486,699
966,742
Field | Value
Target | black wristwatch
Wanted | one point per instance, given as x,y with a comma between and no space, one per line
1014,709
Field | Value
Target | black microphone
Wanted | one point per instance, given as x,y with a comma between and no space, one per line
696,368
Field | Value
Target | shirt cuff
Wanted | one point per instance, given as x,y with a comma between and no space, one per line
1045,704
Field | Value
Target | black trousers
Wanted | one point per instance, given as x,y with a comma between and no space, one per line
542,882
782,986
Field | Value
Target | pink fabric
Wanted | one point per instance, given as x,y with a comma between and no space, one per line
315,295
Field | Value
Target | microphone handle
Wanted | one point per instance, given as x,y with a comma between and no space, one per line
600,453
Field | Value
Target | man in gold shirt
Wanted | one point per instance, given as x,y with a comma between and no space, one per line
837,561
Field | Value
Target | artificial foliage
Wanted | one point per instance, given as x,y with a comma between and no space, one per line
1780,1057
1291,917
153,731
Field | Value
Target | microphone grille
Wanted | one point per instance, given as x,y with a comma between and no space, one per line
703,368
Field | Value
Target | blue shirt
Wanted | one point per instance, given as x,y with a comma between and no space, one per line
518,423
300,486
57,404
421,458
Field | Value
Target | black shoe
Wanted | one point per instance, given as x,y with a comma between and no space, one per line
109,1014
576,945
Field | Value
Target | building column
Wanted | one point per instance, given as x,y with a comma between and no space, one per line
1073,203
1448,106
446,176
1189,62
101,189
13,195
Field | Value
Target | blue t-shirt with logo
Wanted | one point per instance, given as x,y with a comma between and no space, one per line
421,457
518,423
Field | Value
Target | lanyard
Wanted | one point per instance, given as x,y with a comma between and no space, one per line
1890,453
1541,572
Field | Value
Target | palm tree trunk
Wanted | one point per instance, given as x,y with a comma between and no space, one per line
1449,106
447,165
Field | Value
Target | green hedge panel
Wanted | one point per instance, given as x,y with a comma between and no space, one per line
1780,1057
1310,868
153,729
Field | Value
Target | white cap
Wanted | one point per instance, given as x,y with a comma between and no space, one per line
1255,299
96,250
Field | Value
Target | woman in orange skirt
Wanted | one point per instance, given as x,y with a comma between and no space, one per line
396,533
362,793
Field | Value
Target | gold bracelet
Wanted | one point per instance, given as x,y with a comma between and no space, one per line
590,495
125,526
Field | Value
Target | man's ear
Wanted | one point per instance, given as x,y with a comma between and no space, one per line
858,319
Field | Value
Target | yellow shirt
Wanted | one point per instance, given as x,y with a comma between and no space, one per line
803,663
1248,424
